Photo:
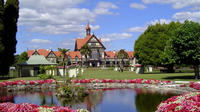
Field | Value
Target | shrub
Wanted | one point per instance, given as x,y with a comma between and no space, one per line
70,94
45,76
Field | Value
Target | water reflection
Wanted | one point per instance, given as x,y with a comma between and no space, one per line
147,100
106,100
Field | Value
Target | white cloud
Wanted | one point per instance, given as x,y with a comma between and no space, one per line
103,8
115,36
59,16
176,4
181,16
141,29
40,41
137,29
137,6
161,21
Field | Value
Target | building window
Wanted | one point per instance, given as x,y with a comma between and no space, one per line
93,44
95,55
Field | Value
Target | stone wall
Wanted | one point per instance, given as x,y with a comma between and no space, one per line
172,88
29,87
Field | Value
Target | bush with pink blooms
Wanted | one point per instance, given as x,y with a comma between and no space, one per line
137,81
27,107
195,85
188,102
27,82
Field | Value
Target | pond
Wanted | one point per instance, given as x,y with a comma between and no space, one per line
103,100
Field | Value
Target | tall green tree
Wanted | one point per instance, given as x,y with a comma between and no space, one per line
184,46
150,45
63,56
122,54
23,57
10,18
1,34
86,51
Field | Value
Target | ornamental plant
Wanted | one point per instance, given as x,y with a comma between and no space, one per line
136,81
26,82
188,102
27,107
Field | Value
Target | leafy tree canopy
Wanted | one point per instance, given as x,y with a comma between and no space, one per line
150,45
86,50
122,54
23,57
184,46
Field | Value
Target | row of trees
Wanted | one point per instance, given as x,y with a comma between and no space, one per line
170,44
9,13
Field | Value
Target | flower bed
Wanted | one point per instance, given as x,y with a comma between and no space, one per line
195,85
27,85
188,102
27,107
137,81
26,82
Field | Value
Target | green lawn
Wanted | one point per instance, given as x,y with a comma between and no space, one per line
110,74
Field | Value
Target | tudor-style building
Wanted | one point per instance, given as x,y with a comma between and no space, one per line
97,55
97,58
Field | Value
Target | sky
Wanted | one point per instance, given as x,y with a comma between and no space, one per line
53,24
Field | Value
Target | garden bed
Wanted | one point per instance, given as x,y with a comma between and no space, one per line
27,107
155,85
188,102
28,85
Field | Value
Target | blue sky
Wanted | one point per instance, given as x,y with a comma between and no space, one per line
57,23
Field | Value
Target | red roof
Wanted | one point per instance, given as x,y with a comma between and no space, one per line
110,54
73,54
43,52
57,53
130,54
30,52
81,42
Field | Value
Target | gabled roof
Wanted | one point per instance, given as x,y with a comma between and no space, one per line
109,54
81,42
57,53
43,52
130,54
74,54
30,52
37,60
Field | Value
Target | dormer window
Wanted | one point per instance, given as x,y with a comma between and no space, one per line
76,58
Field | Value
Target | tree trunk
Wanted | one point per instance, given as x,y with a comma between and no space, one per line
64,71
170,69
196,71
86,61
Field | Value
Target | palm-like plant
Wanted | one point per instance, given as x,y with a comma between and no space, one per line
122,54
86,50
63,55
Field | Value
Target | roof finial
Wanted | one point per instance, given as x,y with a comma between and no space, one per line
88,26
88,29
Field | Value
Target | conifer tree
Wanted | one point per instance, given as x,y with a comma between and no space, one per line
10,18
